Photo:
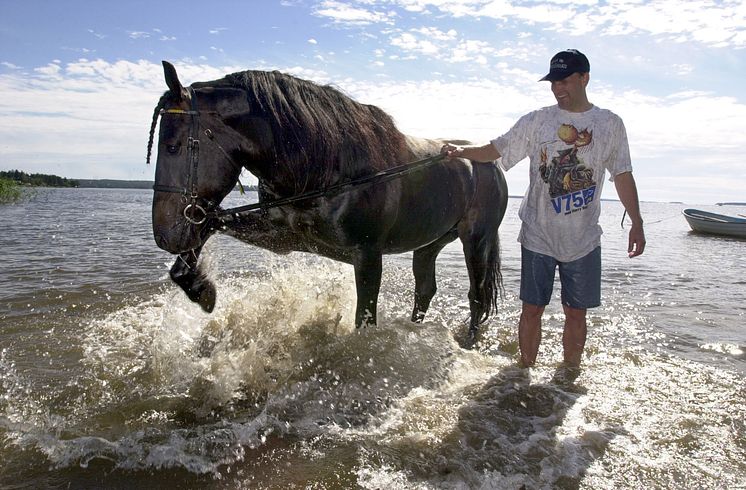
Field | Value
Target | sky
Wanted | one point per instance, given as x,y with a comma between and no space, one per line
79,79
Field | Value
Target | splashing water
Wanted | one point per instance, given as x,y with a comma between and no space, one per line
278,378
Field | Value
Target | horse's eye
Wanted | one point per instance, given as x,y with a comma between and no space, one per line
172,148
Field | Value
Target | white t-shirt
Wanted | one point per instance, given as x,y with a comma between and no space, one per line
569,153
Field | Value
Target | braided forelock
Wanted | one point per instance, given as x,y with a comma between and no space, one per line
156,113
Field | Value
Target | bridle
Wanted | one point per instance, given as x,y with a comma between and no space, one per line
194,212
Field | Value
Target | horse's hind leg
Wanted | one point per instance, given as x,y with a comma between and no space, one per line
186,274
423,266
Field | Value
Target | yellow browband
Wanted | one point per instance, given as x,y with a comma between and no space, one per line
176,111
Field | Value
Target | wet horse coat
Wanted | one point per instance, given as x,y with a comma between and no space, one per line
296,136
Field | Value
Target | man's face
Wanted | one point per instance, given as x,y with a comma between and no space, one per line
570,92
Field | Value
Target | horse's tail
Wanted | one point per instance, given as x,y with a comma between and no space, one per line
492,289
493,281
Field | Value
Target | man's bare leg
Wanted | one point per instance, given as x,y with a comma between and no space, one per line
529,333
573,337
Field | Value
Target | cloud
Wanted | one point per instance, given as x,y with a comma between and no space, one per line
683,69
428,41
533,13
218,30
318,76
408,41
345,13
51,70
313,41
453,7
469,50
97,34
450,46
139,35
718,24
85,51
710,23
437,34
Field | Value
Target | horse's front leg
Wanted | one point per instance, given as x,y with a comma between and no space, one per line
368,269
198,288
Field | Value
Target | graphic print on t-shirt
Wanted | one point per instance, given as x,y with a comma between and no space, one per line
571,184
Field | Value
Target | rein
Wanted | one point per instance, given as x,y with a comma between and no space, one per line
333,190
193,209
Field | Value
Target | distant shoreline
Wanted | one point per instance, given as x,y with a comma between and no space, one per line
114,184
127,184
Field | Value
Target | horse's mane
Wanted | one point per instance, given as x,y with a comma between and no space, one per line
321,135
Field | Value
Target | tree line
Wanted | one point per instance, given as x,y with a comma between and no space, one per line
37,180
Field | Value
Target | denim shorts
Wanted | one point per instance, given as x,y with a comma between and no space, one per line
581,279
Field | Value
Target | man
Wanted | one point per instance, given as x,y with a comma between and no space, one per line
570,146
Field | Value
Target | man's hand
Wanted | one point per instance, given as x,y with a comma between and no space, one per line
451,151
626,189
486,153
636,241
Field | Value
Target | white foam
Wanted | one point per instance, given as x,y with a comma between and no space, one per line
723,348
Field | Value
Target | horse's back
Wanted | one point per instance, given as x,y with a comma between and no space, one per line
405,213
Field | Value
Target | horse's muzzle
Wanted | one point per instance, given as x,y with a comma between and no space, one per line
184,236
162,243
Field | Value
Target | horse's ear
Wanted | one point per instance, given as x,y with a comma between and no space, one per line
172,79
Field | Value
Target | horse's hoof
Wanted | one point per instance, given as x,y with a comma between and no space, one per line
198,289
184,278
207,297
467,343
418,316
467,340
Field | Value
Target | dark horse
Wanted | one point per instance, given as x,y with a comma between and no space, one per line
296,136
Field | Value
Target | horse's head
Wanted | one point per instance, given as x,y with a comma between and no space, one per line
199,150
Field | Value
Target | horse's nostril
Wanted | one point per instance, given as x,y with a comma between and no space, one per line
161,241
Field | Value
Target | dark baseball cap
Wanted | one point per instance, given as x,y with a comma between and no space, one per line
565,63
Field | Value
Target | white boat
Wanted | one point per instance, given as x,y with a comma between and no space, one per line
715,224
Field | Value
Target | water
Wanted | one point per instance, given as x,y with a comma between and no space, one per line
110,378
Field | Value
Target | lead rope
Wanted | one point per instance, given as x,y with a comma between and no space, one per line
648,223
